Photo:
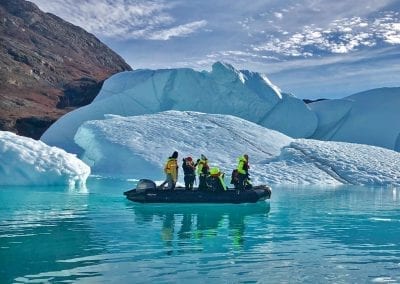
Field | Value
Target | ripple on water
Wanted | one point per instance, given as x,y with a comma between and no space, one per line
312,235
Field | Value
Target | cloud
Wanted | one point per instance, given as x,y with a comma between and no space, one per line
123,19
340,36
178,31
392,33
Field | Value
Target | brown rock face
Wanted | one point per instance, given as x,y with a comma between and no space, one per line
48,67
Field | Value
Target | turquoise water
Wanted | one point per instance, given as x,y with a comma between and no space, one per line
311,235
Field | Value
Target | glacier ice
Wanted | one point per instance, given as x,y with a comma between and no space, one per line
25,161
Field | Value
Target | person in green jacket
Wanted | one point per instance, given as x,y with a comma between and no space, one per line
217,179
243,171
202,172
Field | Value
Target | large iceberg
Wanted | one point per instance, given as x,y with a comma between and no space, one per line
137,147
224,90
370,117
25,161
367,118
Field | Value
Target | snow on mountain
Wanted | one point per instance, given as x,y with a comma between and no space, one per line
137,147
25,161
224,90
370,117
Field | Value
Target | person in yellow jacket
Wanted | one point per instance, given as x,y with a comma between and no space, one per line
171,172
243,171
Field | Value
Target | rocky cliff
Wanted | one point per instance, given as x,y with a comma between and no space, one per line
48,67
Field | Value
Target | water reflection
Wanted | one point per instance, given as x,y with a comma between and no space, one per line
202,225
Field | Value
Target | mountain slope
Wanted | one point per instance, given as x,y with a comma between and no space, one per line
47,67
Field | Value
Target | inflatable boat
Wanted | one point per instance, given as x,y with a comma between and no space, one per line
146,191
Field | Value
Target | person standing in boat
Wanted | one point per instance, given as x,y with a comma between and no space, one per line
189,171
243,172
203,172
171,172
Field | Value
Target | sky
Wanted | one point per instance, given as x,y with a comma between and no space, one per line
310,48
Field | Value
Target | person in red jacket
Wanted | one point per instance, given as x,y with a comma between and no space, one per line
189,171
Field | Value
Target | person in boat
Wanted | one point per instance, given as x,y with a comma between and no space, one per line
171,172
243,173
202,172
235,178
189,171
217,179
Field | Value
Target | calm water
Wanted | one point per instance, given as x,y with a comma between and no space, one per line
311,235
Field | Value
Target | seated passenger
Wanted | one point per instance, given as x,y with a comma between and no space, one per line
217,179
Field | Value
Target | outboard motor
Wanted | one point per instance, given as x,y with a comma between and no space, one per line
145,184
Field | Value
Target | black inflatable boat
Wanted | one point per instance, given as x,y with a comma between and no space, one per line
146,192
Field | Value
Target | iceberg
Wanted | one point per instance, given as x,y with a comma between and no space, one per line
25,161
364,118
307,161
137,147
369,117
223,90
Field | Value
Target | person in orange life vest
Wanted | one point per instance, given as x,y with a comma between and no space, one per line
202,171
243,171
189,171
171,172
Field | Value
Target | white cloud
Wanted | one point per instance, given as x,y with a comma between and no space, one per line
392,33
124,19
340,36
178,31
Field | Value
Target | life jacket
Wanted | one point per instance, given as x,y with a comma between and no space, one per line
202,167
216,174
171,167
243,166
